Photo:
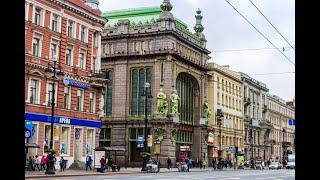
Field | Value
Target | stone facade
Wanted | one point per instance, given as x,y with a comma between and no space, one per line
164,44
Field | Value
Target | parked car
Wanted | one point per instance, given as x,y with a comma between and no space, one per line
275,165
291,165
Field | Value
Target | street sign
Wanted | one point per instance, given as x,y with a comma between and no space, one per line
140,141
28,129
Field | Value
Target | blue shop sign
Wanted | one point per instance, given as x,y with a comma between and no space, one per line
63,120
70,82
292,122
28,129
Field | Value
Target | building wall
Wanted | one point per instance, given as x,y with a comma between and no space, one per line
279,114
224,83
35,66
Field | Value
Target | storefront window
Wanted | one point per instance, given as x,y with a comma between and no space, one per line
65,134
89,145
33,139
46,142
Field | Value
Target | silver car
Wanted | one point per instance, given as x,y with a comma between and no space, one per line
275,165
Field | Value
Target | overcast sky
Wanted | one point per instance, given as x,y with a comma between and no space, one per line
225,29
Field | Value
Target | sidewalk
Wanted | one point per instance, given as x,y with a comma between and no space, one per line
37,174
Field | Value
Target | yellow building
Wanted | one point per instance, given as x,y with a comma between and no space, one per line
225,93
283,133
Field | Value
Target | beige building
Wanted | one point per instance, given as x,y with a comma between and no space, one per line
257,127
225,93
281,114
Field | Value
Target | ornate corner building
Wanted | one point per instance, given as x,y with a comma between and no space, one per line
69,33
151,45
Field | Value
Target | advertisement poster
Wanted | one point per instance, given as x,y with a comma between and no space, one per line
140,141
157,148
214,152
240,159
97,156
56,133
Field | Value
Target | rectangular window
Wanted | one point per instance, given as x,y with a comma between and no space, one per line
93,65
138,79
47,134
53,50
68,56
108,94
91,102
54,22
89,145
105,137
49,93
66,98
37,16
70,28
33,96
81,60
65,134
35,47
79,106
95,39
83,33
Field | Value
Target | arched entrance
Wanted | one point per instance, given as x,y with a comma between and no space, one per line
188,136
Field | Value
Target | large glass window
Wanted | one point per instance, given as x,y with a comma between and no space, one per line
65,135
108,94
49,93
186,91
83,33
53,50
33,139
138,79
47,131
90,145
33,95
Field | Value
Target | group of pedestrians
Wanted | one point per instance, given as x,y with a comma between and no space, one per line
104,164
34,163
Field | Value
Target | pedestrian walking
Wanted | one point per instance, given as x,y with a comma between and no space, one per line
189,163
205,164
62,164
102,164
214,163
36,163
169,163
43,162
30,164
200,164
88,162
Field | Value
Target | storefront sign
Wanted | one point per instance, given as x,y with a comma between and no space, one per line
63,120
140,141
28,129
70,82
292,122
185,149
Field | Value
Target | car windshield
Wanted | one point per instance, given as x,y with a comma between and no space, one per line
274,163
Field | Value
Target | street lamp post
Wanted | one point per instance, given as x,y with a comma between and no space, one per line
50,71
283,145
147,95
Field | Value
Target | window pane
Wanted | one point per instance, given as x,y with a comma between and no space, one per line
133,133
90,145
65,133
134,92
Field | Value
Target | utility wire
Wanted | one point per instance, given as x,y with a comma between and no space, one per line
271,23
271,73
257,49
259,31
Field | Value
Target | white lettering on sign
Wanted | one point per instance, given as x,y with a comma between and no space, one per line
64,120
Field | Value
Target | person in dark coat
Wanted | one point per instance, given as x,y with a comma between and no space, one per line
169,163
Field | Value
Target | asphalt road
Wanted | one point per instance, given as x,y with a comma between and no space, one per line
215,175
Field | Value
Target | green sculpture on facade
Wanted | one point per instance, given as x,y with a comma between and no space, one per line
162,104
206,111
174,103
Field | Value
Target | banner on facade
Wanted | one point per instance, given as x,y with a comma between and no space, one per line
149,141
28,129
56,133
140,141
157,147
185,149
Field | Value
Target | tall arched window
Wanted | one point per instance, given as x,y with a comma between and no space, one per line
108,94
139,76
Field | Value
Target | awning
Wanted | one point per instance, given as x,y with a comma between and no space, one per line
31,145
103,148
